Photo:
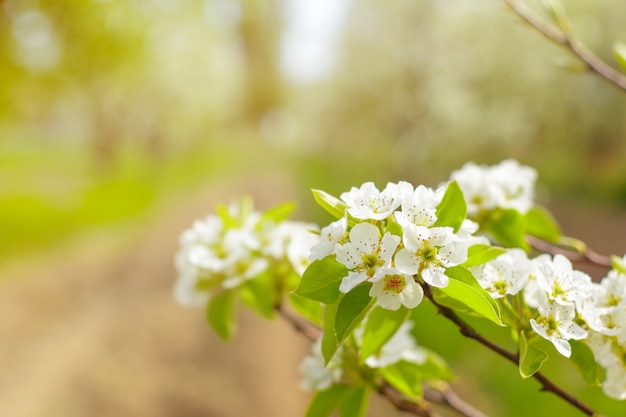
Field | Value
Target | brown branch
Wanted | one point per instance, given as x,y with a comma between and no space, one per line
468,331
587,255
592,61
447,397
402,404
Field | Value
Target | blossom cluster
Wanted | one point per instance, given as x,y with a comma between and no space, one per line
393,241
507,185
565,304
225,250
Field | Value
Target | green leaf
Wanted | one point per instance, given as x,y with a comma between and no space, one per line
352,310
464,288
618,264
279,213
321,280
585,362
619,49
228,220
557,12
331,204
260,294
531,355
381,325
394,228
221,314
404,376
540,223
323,403
329,340
452,209
508,228
309,309
435,368
479,254
355,402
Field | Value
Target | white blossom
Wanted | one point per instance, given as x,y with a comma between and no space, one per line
507,274
517,184
556,324
420,207
316,376
429,251
330,236
560,281
506,185
367,202
610,353
393,289
365,254
605,309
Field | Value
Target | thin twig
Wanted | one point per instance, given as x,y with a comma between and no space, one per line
468,331
588,255
447,397
593,62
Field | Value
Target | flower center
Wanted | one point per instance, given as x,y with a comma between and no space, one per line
427,255
500,287
394,283
558,291
551,324
370,262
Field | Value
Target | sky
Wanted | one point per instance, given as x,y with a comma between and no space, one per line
311,41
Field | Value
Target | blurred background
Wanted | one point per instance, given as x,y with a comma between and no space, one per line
123,121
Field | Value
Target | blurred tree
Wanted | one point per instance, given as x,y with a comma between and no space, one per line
428,79
260,30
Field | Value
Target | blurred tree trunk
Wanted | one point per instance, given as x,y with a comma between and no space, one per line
260,29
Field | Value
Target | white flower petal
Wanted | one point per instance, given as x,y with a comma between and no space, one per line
351,280
406,262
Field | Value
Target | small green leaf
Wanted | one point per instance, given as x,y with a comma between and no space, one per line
585,362
619,49
352,310
618,264
394,228
221,314
279,213
228,220
323,403
321,280
531,355
540,223
309,309
331,204
479,254
355,402
329,340
508,228
434,368
381,325
464,288
260,294
452,209
404,376
558,14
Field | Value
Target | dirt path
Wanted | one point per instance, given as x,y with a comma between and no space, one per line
94,331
